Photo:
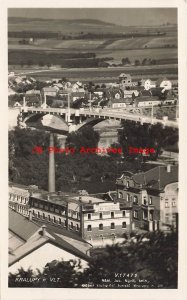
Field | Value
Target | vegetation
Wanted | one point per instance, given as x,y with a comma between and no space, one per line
142,261
146,136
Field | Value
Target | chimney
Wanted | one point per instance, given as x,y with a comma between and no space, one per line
168,168
30,215
51,175
43,232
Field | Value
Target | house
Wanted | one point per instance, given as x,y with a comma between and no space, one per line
147,194
164,83
11,91
19,197
49,91
33,92
117,103
148,84
146,101
125,79
32,244
77,86
77,95
17,104
130,93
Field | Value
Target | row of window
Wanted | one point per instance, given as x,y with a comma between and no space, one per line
101,227
173,203
135,199
112,215
18,198
54,220
47,207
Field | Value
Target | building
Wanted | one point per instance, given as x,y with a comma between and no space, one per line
169,207
32,244
103,222
164,83
125,79
147,196
148,84
143,101
97,221
19,197
49,91
117,103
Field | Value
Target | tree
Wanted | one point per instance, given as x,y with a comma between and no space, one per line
137,62
85,137
144,136
125,61
151,258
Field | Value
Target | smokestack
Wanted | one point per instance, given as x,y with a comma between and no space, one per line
51,177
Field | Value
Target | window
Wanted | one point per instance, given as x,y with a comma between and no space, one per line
60,221
123,213
167,218
113,237
43,216
166,204
49,218
89,216
151,215
112,214
173,203
128,197
71,225
145,215
124,225
38,214
150,200
135,214
100,226
41,206
89,228
77,227
54,219
112,226
135,199
120,195
127,184
145,200
100,215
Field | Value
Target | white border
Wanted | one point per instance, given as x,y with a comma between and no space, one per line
45,294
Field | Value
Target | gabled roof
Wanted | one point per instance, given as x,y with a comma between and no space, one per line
31,233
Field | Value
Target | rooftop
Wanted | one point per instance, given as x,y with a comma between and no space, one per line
26,236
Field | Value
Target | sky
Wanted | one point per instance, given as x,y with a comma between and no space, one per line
119,16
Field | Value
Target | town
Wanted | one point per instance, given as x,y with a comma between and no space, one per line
74,203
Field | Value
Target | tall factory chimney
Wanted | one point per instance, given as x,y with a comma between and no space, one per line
51,175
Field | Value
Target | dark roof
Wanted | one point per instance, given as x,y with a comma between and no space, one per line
158,177
145,93
20,225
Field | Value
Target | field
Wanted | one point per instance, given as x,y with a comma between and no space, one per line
162,53
102,74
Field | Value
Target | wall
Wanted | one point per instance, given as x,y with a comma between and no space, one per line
40,257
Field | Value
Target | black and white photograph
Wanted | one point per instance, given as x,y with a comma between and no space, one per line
93,148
